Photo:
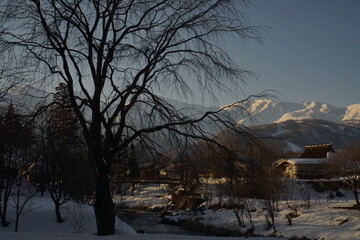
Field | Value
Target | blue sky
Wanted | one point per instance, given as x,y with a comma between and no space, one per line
311,51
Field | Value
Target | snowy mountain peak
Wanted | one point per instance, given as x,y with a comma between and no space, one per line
22,89
352,113
25,97
269,111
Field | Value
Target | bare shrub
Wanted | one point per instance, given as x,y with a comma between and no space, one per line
289,218
24,192
295,212
305,196
79,217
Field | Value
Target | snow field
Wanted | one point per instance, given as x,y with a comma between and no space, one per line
39,223
325,219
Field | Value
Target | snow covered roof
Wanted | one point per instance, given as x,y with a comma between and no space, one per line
298,161
280,162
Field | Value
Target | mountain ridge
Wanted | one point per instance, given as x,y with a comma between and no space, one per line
254,112
291,125
266,111
295,134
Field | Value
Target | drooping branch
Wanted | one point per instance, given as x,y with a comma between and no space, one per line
117,57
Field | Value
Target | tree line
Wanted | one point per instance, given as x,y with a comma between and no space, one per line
45,154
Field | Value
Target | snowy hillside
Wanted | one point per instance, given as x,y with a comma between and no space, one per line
352,113
315,110
267,111
297,133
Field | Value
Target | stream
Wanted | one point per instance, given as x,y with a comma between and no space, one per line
150,223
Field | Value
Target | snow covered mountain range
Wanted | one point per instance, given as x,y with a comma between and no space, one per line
264,111
294,125
256,112
269,111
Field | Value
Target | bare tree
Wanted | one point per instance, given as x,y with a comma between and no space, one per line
346,164
305,194
116,56
8,77
24,192
241,197
14,145
264,183
271,194
64,144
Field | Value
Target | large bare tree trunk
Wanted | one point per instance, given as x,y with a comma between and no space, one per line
4,221
104,207
7,191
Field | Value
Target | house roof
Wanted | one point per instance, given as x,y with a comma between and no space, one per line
280,162
316,151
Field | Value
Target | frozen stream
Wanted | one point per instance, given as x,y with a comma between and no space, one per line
150,222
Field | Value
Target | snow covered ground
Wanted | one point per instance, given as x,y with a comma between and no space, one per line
39,223
39,217
65,236
321,221
327,219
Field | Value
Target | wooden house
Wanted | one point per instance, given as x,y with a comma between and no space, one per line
310,164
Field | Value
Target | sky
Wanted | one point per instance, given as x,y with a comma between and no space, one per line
310,51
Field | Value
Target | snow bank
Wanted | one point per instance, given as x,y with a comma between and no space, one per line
39,217
327,219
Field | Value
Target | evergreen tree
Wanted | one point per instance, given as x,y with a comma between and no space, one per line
63,120
60,131
64,150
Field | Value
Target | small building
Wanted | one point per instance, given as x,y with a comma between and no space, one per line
310,164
